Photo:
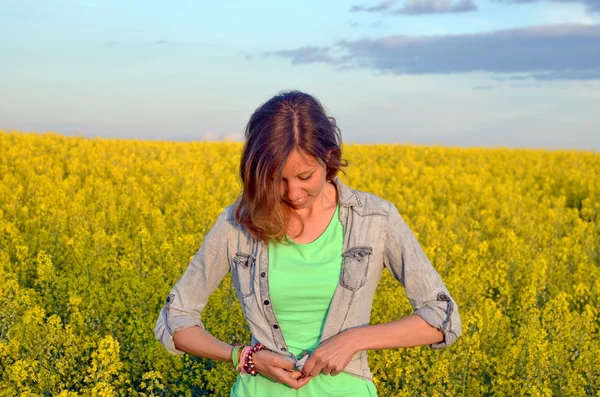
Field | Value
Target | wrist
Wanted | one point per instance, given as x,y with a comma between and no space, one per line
354,337
247,360
235,355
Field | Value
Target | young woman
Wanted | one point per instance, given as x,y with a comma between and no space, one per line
306,253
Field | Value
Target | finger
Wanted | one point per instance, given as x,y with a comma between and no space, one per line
282,376
316,370
308,365
296,384
296,374
302,381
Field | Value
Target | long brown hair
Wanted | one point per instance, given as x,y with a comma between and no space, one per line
290,120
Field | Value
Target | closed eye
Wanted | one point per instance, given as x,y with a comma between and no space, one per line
305,178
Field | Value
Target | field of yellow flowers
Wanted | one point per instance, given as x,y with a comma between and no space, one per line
94,232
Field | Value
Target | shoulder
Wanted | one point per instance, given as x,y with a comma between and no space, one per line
226,235
228,213
370,204
227,232
226,218
229,223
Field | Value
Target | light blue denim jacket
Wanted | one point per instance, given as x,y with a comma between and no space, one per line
375,236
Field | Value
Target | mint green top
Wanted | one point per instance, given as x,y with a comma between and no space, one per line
302,280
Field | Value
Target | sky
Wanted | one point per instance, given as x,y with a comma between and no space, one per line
468,73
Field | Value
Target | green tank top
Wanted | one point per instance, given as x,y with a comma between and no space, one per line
302,280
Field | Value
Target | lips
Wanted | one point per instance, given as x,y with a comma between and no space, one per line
299,201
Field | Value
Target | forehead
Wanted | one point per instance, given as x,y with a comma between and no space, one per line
299,162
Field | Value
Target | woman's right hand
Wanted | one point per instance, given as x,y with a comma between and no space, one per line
278,369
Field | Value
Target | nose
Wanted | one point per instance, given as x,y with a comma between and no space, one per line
292,191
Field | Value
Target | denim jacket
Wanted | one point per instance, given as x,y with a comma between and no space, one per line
375,236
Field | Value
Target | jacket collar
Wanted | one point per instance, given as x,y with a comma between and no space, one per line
347,196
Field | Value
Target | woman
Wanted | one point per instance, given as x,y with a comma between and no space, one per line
306,253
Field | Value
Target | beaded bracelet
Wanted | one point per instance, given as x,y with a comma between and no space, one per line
243,355
248,365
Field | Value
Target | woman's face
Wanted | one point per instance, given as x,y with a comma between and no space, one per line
303,179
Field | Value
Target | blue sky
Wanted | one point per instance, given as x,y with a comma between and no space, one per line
516,73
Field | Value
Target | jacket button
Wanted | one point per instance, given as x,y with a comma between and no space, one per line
263,274
266,302
275,326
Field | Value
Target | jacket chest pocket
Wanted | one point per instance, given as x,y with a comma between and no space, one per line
355,266
243,274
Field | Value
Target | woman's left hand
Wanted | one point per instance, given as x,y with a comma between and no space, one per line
330,357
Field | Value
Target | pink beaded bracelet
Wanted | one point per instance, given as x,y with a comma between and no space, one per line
243,356
248,359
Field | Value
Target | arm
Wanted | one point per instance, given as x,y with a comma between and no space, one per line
407,332
188,298
196,341
332,356
426,292
435,320
179,327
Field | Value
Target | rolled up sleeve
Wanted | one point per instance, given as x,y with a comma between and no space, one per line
426,292
189,296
